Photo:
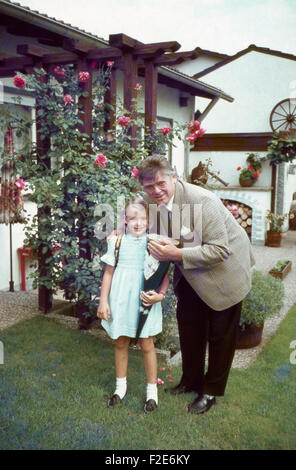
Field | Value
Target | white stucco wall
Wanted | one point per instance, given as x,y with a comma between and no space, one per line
257,82
191,67
227,163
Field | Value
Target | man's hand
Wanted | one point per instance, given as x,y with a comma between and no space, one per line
103,311
165,251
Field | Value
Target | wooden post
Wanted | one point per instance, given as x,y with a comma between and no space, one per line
86,127
151,75
130,92
86,102
43,146
110,98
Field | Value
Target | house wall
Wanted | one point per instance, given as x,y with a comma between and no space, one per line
257,82
191,67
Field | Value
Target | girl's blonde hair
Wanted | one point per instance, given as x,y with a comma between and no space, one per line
136,201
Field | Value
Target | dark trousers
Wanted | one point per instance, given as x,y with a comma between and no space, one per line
199,324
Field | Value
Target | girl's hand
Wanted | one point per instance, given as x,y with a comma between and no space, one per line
103,311
151,297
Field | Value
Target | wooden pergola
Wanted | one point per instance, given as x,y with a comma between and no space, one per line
50,47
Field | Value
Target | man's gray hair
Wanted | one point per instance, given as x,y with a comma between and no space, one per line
151,165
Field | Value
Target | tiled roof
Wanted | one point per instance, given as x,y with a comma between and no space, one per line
52,19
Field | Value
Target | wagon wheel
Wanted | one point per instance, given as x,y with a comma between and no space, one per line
283,116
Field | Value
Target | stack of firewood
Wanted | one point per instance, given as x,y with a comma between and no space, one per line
242,214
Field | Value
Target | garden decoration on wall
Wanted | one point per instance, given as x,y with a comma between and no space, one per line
202,172
11,200
249,175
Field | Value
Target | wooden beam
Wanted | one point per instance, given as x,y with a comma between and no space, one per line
78,47
151,75
110,98
31,50
256,141
169,59
107,53
52,42
157,47
129,90
123,41
43,146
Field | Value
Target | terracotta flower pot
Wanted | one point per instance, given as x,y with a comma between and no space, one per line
246,183
249,336
273,239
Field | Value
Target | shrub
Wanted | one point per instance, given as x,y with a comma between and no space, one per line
264,299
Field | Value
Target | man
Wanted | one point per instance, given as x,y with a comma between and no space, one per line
211,278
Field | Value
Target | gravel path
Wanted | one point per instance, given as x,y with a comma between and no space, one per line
17,306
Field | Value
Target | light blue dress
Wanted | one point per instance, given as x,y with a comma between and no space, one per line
127,283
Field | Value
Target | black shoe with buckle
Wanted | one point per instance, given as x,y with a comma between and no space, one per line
150,405
178,389
114,400
201,404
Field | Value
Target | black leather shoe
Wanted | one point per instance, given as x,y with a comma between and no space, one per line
201,404
178,389
150,405
114,400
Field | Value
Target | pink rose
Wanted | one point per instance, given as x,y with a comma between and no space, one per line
110,63
165,130
191,138
160,382
19,81
59,72
20,183
161,369
124,121
201,132
83,76
68,99
135,174
138,86
194,125
100,160
109,137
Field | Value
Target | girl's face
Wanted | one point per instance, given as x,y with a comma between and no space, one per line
136,220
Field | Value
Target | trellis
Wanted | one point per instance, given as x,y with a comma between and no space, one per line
129,55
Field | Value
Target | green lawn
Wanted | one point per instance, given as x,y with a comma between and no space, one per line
55,383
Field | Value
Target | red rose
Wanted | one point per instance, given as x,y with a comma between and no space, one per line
19,81
100,160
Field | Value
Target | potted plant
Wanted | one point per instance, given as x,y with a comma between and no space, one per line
264,300
248,176
281,269
274,234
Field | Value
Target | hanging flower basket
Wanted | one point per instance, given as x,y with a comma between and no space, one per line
246,182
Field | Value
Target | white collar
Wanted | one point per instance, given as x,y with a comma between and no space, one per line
169,205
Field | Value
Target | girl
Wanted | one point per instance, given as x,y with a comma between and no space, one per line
119,311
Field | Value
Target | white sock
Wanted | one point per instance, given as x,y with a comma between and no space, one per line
121,387
151,392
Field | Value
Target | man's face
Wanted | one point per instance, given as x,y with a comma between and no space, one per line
161,188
